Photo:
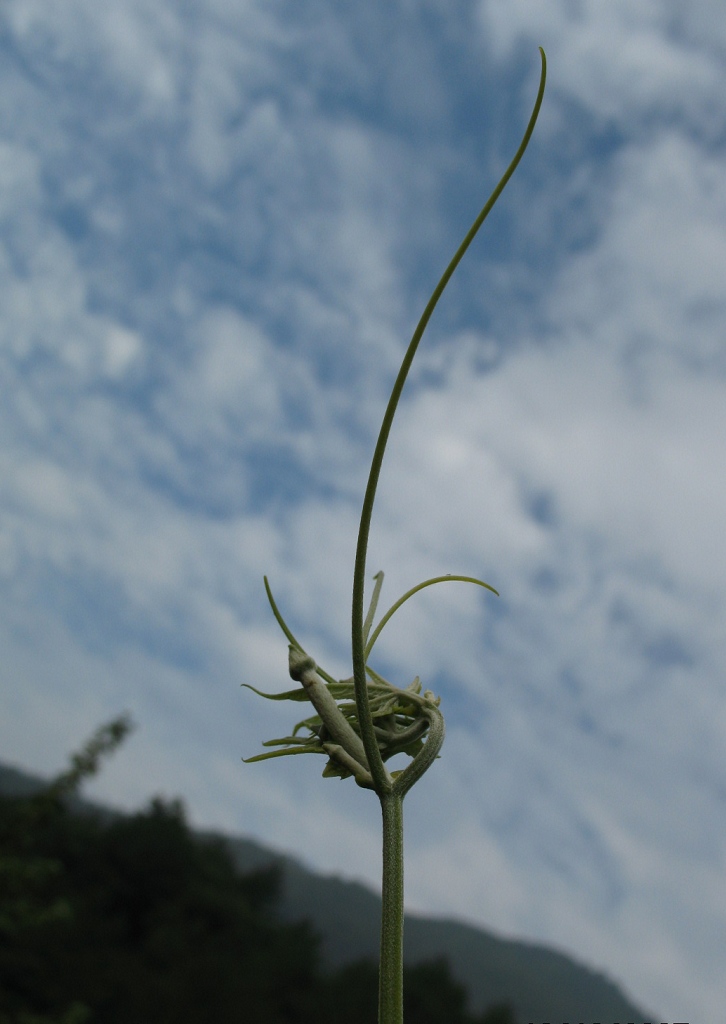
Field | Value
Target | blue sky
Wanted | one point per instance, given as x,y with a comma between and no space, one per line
219,222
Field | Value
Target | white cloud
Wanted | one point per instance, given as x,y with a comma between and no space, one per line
193,379
123,348
230,377
129,39
653,280
624,62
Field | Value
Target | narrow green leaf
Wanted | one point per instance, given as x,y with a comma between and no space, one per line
313,724
276,612
299,693
283,753
288,741
373,605
414,590
334,770
288,632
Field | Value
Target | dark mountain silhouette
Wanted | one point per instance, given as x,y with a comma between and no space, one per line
541,984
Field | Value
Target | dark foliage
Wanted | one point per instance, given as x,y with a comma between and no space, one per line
502,1013
137,919
158,926
431,995
134,919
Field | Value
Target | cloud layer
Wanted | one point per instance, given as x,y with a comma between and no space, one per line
218,225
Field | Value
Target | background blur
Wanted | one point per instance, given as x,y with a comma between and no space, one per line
219,222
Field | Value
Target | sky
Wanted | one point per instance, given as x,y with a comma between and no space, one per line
219,223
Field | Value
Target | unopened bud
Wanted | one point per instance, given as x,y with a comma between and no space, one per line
300,664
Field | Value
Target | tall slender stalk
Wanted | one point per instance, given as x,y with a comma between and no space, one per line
390,986
363,721
390,1006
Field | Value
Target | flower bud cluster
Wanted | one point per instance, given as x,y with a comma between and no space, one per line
401,720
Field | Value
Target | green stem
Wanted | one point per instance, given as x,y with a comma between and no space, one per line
381,779
390,989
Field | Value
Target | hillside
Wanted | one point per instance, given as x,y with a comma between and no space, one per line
540,983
